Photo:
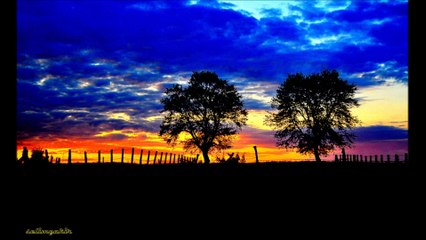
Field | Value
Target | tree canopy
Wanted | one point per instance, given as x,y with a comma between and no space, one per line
209,109
313,113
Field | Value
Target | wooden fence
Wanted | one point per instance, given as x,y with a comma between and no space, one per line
158,158
371,158
163,158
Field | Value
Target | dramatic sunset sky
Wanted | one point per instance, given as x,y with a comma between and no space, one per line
90,74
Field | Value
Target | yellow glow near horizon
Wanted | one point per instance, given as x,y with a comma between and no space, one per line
383,105
256,118
380,105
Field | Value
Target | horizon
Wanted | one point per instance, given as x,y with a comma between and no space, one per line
90,75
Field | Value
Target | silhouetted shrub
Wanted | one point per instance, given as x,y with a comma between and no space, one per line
37,157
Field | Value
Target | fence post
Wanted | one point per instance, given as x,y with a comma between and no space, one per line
140,159
133,152
69,156
406,157
360,156
112,158
99,156
155,157
165,158
147,160
255,152
122,155
161,158
103,159
174,158
388,158
170,158
396,158
85,157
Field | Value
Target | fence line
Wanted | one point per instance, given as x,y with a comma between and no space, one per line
369,158
163,160
167,157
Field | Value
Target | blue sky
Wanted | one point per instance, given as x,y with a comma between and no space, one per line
87,67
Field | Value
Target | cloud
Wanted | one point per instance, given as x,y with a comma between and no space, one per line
385,73
383,133
79,64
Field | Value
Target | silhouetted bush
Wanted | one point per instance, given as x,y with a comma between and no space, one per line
37,158
232,159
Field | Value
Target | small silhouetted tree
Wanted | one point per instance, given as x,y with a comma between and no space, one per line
209,110
314,113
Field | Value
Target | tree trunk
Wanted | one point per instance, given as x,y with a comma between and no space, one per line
206,157
317,156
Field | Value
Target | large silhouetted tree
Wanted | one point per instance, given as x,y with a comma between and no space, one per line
314,113
209,110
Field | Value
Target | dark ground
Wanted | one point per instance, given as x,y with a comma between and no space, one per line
284,170
123,201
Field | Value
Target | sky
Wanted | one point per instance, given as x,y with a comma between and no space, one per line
90,74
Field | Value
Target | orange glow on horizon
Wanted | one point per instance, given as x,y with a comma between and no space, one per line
58,148
381,105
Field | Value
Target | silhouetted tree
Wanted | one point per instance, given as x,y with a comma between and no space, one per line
314,113
209,110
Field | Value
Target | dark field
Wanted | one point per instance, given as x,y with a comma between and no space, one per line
100,200
295,170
